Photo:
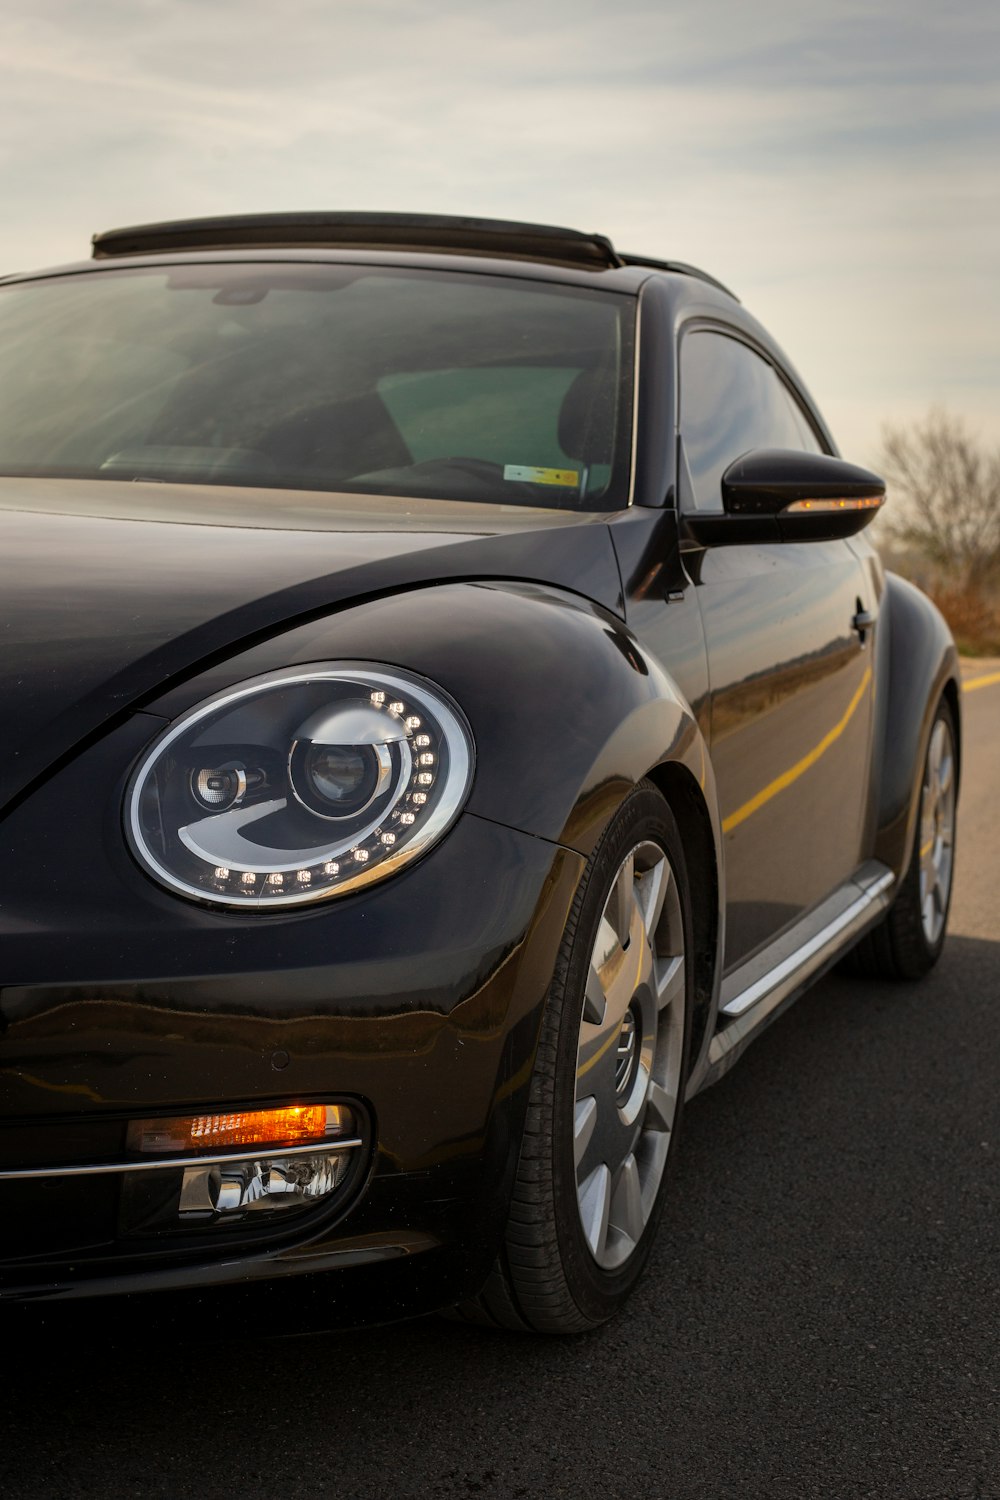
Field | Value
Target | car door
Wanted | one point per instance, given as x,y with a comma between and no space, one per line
790,679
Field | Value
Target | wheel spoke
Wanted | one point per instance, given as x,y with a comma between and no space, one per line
669,974
595,1203
651,892
930,914
662,1108
606,947
619,911
594,1001
625,1213
584,1120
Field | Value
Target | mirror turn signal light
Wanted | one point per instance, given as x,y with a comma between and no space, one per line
813,507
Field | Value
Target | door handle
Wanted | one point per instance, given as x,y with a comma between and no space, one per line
863,621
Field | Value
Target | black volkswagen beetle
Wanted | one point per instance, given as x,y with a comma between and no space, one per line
449,710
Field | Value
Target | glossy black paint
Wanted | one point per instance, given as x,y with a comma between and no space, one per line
566,708
586,651
759,488
105,609
787,673
766,482
656,397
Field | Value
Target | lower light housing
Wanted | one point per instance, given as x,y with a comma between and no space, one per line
215,1193
231,1168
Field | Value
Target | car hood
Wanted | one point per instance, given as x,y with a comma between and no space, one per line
112,592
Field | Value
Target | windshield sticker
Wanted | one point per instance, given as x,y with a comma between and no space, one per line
527,475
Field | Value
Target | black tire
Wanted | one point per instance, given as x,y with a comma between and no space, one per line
546,1278
900,946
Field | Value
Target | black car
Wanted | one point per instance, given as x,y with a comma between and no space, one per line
449,710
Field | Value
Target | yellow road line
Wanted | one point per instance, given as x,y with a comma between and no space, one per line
787,777
973,683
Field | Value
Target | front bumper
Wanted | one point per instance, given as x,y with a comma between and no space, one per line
418,999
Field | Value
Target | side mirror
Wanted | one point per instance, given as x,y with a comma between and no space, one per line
776,495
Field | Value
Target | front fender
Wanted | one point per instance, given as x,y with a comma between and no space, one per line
918,662
566,709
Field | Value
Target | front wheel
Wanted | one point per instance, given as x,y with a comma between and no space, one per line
607,1089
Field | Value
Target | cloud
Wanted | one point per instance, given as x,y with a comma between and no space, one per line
838,168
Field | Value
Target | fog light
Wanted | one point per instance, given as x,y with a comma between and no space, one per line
262,1185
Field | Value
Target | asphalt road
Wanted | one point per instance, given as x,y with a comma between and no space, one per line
821,1315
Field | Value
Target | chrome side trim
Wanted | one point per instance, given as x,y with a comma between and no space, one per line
176,1162
755,1007
800,959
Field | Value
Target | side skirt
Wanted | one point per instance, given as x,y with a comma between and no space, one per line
758,991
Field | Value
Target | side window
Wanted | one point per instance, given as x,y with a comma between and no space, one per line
731,401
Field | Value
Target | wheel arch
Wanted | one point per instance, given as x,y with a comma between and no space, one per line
918,663
681,791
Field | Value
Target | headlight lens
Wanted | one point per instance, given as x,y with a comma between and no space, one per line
299,786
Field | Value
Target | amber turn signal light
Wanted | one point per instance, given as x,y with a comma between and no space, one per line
291,1125
864,502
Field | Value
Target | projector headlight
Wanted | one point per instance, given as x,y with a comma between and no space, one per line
299,786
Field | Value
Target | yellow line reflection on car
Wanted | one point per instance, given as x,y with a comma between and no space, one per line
55,1088
977,682
794,772
592,1061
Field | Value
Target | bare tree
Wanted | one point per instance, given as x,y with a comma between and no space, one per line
950,488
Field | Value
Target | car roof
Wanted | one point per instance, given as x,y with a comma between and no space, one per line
394,231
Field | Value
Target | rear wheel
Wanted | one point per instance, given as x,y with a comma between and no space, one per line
607,1091
908,941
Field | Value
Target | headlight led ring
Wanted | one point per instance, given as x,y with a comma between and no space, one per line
358,769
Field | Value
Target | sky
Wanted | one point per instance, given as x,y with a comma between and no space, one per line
837,165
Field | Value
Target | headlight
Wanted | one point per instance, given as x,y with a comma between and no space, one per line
299,785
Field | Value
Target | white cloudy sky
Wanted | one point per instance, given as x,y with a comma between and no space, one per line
838,165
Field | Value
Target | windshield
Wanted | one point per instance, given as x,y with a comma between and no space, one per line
322,377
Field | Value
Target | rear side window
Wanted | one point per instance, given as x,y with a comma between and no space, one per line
366,379
732,401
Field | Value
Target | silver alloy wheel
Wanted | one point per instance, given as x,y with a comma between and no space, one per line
628,1067
937,831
